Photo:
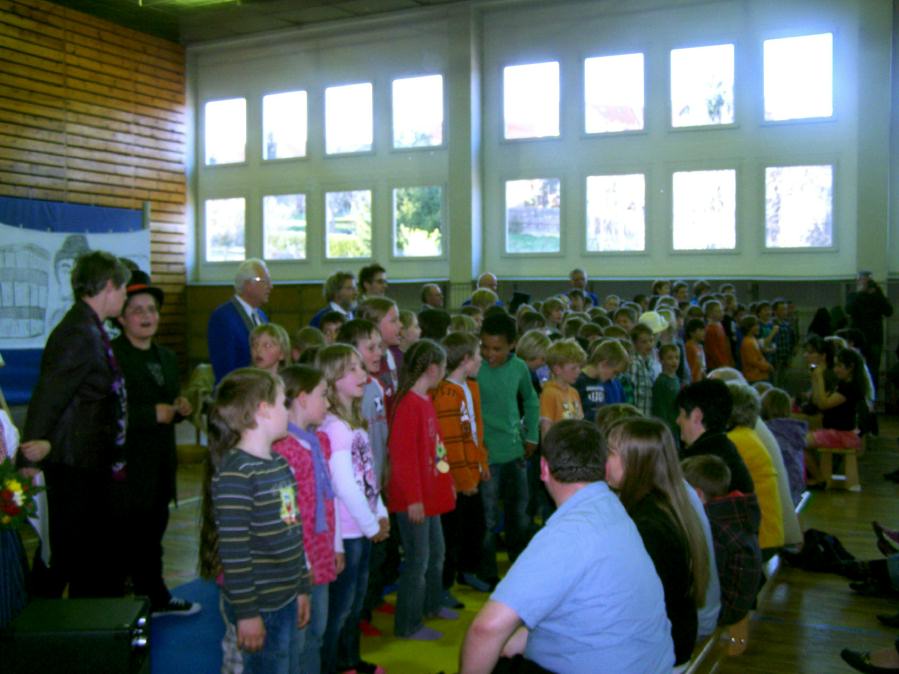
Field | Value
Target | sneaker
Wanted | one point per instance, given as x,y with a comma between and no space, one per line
449,600
476,583
177,607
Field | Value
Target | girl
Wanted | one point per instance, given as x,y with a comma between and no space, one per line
642,466
386,318
410,332
307,453
270,347
421,489
361,513
754,365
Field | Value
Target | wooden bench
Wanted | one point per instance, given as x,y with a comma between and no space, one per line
849,478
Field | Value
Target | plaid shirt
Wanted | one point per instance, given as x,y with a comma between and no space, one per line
784,343
643,373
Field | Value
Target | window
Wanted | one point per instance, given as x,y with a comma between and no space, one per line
702,85
613,93
284,125
531,100
348,224
532,216
704,210
225,230
616,212
284,227
418,111
799,77
349,120
799,206
226,131
418,221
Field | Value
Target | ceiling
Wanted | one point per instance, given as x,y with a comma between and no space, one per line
190,21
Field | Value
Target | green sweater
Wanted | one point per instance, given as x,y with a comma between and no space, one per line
501,388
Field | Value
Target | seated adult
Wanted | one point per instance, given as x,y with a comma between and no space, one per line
372,281
431,296
229,327
340,293
584,596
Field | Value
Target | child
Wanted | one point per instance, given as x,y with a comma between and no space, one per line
644,367
665,389
784,340
421,489
410,331
695,334
266,579
330,325
307,453
361,513
504,377
717,345
790,435
462,323
385,316
734,518
559,399
754,365
475,312
553,310
270,347
303,339
457,402
597,383
624,318
531,348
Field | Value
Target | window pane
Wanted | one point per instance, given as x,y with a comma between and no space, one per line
348,118
348,224
284,125
798,206
418,111
705,207
418,221
532,216
702,85
613,93
226,131
531,100
799,77
284,226
616,212
225,229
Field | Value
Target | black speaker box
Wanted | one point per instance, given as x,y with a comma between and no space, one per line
75,636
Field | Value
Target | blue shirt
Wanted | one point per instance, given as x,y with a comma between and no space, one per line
588,592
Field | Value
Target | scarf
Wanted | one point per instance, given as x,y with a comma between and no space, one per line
323,488
121,400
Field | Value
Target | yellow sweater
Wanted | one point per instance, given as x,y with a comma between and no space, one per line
758,462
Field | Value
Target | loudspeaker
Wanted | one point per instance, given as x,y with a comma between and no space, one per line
75,636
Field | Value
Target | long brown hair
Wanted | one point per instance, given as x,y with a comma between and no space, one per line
334,361
649,460
417,359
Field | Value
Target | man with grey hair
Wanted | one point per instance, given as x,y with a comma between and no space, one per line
228,331
431,296
578,280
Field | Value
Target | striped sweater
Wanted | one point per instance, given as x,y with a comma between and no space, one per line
466,453
260,533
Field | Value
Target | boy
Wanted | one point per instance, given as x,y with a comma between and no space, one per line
531,348
457,401
559,399
644,367
597,384
784,341
695,334
330,325
502,378
734,518
666,387
624,318
717,345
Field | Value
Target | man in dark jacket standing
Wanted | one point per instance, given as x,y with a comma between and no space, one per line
867,307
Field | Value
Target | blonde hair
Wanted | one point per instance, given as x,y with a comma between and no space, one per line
279,335
483,298
550,305
334,361
407,318
532,344
374,309
565,351
609,351
463,323
307,337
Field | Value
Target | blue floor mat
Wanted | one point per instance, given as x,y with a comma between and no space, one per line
191,644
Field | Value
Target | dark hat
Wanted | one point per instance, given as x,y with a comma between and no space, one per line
140,283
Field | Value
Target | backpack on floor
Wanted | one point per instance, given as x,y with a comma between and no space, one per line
821,552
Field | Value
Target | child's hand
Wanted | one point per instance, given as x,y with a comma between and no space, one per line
383,530
339,562
165,414
250,634
303,609
416,513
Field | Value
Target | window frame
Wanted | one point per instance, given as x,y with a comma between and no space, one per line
444,125
643,51
444,224
704,165
202,243
647,210
834,84
202,135
323,203
733,42
262,160
502,102
504,251
278,192
372,151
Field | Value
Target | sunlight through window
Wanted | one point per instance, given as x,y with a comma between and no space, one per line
284,125
418,111
799,77
704,210
284,226
531,100
799,206
702,86
418,221
616,212
349,120
348,224
613,93
225,230
226,131
533,216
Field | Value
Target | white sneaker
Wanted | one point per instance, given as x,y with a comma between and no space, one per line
177,607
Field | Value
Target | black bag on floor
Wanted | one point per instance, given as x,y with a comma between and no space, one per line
821,552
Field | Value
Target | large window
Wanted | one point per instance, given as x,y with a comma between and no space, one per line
702,85
418,221
418,111
616,213
284,125
799,206
225,230
531,100
349,120
225,122
533,216
799,77
348,224
284,226
613,93
704,210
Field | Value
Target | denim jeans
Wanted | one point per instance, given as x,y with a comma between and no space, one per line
310,655
509,482
283,641
421,577
340,645
463,536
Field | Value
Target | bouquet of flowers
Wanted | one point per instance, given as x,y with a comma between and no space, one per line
16,496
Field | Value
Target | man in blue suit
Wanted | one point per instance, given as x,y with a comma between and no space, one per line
228,332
